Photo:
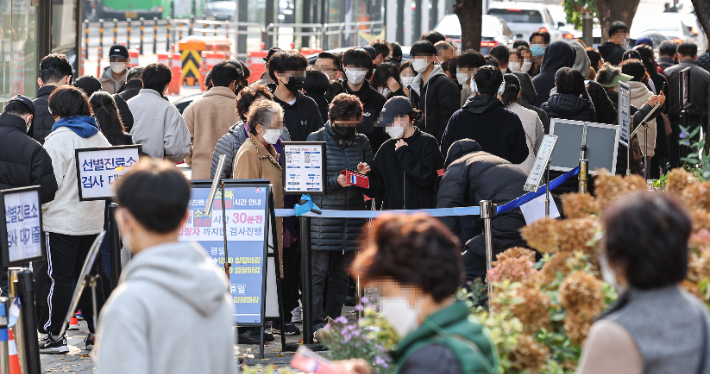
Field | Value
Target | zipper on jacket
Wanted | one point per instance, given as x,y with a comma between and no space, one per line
404,188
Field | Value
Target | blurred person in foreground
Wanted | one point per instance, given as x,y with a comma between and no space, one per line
438,335
654,326
169,291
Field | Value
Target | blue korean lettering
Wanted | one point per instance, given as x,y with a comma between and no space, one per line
87,165
99,165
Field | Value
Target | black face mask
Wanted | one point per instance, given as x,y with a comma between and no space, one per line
238,89
295,83
344,132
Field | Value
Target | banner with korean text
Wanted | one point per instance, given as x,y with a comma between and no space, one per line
97,169
247,228
21,236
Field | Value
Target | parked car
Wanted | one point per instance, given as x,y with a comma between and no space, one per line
494,31
525,18
674,26
559,16
656,37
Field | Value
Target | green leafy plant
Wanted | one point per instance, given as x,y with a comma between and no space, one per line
697,161
575,9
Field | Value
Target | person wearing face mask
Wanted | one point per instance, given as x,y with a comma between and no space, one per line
387,81
432,91
207,121
175,285
654,326
403,174
334,241
114,76
301,114
54,70
613,50
539,40
315,87
357,63
158,128
17,148
71,225
437,335
557,55
466,68
406,75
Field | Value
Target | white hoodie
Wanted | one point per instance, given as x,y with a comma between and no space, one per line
639,96
170,314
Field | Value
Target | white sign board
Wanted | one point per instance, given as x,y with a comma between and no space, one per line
543,157
534,209
684,88
624,109
304,170
22,238
97,169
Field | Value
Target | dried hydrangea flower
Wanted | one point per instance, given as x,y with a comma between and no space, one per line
679,179
697,196
691,288
700,219
699,266
534,310
529,354
581,293
579,205
512,269
577,327
608,188
541,235
576,234
558,263
515,252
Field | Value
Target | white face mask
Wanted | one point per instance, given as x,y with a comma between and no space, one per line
355,76
118,67
624,43
474,87
607,274
526,66
407,81
514,66
399,314
420,64
395,132
272,135
384,91
461,77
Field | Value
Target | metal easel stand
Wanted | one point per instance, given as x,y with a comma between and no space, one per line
487,215
631,136
25,331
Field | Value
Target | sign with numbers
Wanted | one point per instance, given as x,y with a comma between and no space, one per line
97,169
304,168
543,158
624,106
21,236
247,212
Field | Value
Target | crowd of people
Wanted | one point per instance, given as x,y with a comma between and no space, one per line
443,129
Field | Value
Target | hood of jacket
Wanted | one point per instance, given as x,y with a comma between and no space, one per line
567,104
46,90
83,126
581,60
608,47
184,270
527,89
459,149
639,91
133,84
558,54
298,95
417,83
220,91
481,103
11,120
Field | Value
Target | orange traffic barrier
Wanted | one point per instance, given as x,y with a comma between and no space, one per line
133,58
13,360
255,63
209,60
176,69
164,58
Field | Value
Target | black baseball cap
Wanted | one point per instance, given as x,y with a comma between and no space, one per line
394,107
272,52
371,50
118,50
88,83
24,100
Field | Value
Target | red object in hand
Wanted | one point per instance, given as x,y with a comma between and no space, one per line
356,179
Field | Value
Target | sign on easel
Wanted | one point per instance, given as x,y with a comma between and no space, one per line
21,236
97,169
304,168
247,211
601,139
624,107
543,157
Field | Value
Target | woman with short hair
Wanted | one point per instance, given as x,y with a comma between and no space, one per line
654,326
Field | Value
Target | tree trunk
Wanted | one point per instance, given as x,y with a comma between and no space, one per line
470,14
610,11
702,10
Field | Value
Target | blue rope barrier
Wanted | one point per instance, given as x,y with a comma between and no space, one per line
541,191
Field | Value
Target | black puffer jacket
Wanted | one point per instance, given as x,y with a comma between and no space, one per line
473,175
23,161
569,106
131,89
302,118
339,234
438,98
43,121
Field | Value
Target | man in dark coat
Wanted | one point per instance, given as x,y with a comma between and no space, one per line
133,84
432,91
613,50
334,241
473,175
54,70
485,119
557,55
357,62
301,113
